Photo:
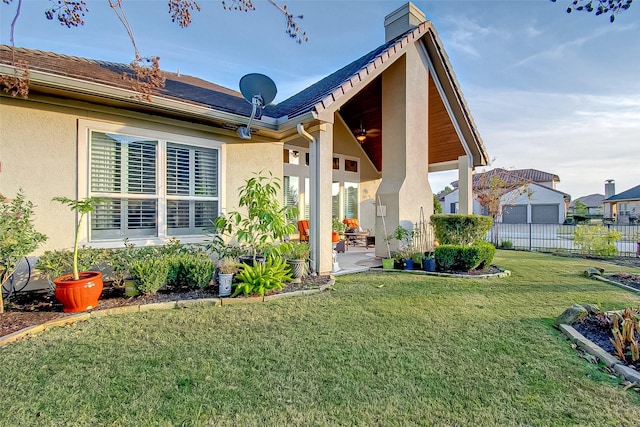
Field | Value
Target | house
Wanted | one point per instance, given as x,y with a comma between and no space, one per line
526,196
623,208
593,202
169,165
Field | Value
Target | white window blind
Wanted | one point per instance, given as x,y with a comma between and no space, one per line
192,188
124,170
121,168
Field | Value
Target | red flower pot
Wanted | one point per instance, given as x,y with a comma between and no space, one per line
79,295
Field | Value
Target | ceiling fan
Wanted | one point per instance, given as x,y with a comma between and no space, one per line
361,133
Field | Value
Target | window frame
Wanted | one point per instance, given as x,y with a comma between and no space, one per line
85,127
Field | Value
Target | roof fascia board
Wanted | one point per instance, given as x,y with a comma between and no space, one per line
70,84
340,96
433,43
443,96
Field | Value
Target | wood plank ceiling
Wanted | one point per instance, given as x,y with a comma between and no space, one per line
366,108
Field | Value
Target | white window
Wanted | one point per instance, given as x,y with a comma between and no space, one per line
154,187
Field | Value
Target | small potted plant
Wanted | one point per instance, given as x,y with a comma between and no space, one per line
338,229
80,290
227,267
418,258
406,256
429,262
297,254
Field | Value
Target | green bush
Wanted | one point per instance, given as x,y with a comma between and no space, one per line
465,258
506,244
457,229
487,252
596,240
261,278
196,271
446,256
150,274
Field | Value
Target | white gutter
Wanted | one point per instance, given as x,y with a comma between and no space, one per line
314,180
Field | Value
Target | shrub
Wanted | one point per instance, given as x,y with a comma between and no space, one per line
487,252
150,274
261,278
506,244
457,229
196,271
596,240
465,258
446,256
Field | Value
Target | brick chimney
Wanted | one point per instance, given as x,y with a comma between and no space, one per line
402,20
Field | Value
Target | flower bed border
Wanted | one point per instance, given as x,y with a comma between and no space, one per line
166,305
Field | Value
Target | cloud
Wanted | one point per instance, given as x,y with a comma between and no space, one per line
467,33
583,138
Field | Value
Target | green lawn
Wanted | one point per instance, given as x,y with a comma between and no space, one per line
380,350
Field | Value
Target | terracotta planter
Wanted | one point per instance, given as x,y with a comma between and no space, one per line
79,295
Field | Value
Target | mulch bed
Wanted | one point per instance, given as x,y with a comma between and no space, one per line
25,309
598,328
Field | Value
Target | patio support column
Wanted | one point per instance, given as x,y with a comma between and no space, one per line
465,186
404,187
320,179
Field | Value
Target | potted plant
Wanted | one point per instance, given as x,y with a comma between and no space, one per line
338,229
262,221
406,256
418,258
429,262
227,267
18,236
80,290
297,254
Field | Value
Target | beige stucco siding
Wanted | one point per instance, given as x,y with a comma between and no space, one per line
38,154
39,150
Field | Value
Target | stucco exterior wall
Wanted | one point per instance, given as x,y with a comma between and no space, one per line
39,149
38,154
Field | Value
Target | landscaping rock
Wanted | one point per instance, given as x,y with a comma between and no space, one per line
593,309
572,314
593,271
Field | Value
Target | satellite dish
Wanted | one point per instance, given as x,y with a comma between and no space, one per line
258,90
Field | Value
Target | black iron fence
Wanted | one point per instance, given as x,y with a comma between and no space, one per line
553,237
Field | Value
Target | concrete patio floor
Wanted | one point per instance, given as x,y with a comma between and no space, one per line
356,260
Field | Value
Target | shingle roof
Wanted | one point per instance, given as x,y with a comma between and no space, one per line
512,176
630,194
591,201
304,101
178,86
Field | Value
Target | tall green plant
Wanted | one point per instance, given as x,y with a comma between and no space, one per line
596,240
262,221
459,229
18,236
82,207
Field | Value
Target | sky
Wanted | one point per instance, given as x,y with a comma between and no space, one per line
548,90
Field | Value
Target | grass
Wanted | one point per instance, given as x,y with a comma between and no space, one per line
381,349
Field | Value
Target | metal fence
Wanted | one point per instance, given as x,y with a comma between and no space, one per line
553,237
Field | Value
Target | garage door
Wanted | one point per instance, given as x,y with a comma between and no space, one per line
545,214
516,214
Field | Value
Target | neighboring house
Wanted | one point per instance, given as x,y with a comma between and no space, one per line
624,207
168,166
530,196
593,202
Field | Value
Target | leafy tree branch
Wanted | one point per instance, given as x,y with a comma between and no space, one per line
145,76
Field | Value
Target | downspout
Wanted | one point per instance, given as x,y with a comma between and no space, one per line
314,175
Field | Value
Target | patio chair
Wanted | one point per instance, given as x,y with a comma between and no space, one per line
303,230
